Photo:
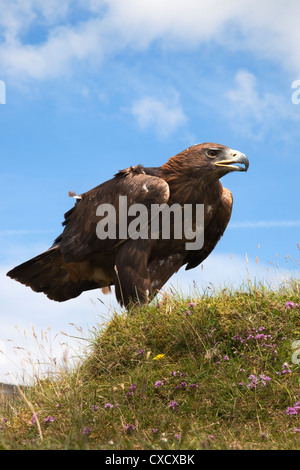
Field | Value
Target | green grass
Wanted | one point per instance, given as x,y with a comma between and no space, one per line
174,376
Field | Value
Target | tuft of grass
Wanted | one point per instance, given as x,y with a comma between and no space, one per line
215,371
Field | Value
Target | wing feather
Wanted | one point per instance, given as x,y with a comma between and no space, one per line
79,238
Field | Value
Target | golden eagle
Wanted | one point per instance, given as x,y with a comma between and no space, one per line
138,267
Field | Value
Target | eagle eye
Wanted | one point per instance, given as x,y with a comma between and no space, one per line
211,153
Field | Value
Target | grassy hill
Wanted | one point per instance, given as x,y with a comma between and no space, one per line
220,371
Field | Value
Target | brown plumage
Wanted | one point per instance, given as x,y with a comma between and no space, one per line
80,261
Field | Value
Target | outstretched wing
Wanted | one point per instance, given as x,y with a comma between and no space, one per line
213,232
79,238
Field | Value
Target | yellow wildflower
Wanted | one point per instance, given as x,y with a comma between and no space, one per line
158,357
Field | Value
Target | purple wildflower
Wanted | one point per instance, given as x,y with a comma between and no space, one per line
291,411
191,304
86,430
181,385
261,337
173,405
158,383
264,379
49,419
253,381
194,385
140,351
108,405
94,407
285,368
129,428
291,305
132,388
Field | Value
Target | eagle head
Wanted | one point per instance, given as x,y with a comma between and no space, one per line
209,160
217,159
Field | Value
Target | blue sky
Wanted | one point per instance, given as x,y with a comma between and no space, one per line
93,87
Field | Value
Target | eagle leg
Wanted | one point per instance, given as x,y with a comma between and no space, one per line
131,274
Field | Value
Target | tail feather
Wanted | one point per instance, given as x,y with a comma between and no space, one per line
47,273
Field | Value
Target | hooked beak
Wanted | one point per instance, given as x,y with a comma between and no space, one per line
234,161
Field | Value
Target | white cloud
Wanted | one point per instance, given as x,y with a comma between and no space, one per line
266,224
245,95
269,29
17,16
54,57
253,110
164,116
